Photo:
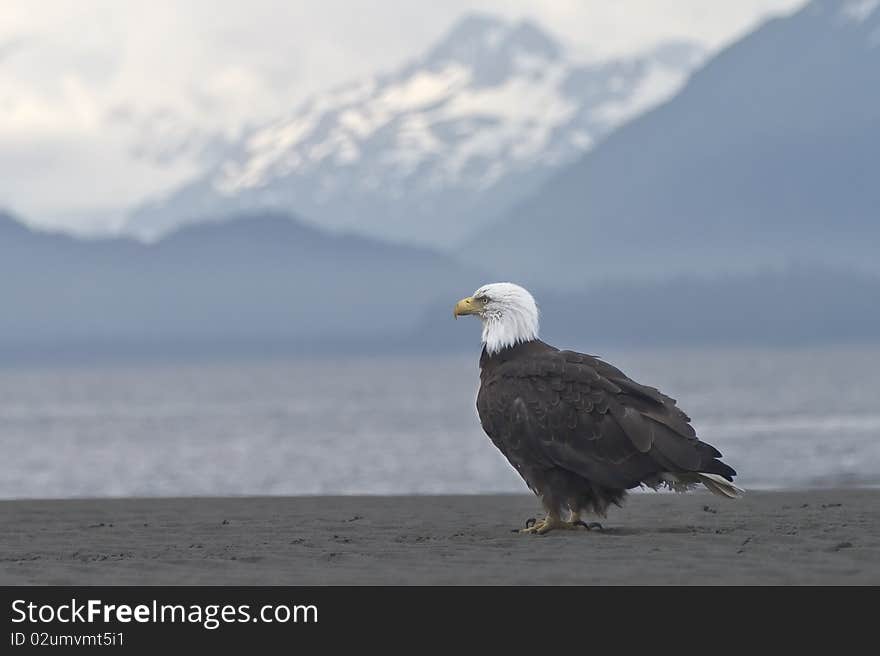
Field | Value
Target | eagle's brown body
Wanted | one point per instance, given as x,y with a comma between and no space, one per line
581,433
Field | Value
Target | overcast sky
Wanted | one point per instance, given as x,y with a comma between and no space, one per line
104,103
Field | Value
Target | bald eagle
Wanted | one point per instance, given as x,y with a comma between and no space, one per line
578,430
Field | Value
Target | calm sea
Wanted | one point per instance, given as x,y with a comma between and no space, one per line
386,425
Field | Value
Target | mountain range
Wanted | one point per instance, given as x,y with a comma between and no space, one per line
744,209
431,151
269,285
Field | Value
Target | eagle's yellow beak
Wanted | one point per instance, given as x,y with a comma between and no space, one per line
466,306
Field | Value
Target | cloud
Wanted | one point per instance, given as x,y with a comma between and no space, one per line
133,95
10,46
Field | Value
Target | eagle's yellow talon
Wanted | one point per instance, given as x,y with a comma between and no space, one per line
550,523
532,528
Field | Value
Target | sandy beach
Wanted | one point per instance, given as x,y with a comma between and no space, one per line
811,537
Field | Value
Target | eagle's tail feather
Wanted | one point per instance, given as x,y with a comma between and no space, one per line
719,485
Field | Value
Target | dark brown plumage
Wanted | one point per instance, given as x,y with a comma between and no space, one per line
581,433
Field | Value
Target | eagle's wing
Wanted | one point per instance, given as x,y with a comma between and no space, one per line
574,411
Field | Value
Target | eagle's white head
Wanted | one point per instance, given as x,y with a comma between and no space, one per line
508,312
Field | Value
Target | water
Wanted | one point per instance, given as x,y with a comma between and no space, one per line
796,418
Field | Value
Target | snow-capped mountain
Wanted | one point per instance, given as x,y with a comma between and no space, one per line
436,149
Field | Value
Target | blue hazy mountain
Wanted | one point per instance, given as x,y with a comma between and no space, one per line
767,157
257,283
270,284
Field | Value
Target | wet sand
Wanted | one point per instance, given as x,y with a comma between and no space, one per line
824,537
